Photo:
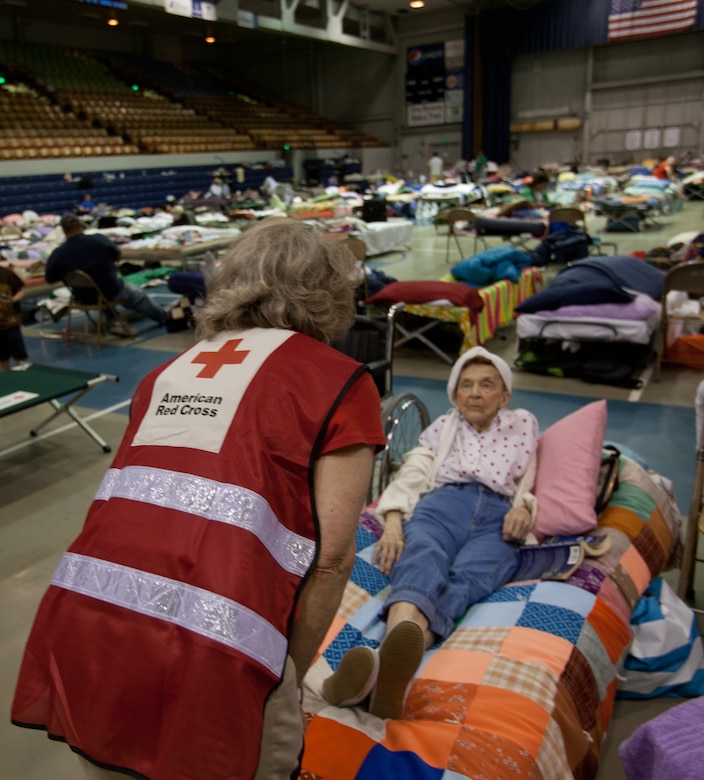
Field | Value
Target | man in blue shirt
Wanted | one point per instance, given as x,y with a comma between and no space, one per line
97,256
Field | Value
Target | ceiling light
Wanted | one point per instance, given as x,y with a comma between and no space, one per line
210,39
113,22
417,4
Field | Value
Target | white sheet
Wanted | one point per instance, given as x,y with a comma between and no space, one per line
386,236
587,328
466,193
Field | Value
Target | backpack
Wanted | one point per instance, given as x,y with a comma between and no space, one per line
374,210
562,247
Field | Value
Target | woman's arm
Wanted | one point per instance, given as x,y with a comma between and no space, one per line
524,490
341,480
519,519
390,546
397,503
414,477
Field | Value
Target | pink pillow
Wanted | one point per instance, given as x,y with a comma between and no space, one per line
569,457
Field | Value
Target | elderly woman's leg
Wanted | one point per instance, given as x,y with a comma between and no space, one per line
435,534
403,610
486,562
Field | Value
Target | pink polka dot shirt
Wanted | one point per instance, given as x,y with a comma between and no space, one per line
497,457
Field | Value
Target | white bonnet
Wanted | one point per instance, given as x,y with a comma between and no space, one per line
499,364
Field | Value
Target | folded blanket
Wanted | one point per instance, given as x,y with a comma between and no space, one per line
626,272
597,280
491,265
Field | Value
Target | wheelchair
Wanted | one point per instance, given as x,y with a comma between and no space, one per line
404,416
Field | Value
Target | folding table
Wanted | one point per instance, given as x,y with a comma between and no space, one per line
46,384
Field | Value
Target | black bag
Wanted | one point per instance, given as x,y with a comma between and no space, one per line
609,371
180,317
563,247
608,476
374,210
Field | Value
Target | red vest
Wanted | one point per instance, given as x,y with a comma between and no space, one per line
167,622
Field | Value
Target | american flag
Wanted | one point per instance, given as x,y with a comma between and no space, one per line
631,19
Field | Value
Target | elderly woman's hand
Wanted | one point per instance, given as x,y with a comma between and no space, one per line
517,524
389,548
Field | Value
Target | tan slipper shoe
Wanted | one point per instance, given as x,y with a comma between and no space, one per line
400,655
354,679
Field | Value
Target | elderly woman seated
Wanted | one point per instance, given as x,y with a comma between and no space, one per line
453,519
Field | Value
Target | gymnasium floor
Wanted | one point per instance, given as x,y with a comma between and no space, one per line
48,483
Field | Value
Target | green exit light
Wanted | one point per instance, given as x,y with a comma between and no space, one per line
286,147
135,88
443,140
2,79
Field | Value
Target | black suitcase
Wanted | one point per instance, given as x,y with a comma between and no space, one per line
374,210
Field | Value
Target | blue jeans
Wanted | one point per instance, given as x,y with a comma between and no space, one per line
190,283
135,299
12,344
454,553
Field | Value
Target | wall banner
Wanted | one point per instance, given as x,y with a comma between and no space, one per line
425,85
435,83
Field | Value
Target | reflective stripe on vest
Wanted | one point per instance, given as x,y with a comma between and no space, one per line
201,611
223,502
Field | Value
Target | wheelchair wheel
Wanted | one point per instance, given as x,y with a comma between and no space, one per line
404,417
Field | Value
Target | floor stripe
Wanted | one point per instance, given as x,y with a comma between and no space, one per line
634,395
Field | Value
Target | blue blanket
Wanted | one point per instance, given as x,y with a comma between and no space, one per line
491,265
608,279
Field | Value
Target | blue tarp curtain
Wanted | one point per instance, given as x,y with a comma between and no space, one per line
500,35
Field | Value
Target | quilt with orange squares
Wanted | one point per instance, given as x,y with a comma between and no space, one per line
524,686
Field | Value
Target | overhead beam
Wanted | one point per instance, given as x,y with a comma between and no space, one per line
280,16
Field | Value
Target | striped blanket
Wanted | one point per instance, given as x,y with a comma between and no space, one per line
500,300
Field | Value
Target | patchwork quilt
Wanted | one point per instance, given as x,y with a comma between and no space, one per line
525,685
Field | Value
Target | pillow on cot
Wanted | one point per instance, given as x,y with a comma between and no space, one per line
423,292
568,461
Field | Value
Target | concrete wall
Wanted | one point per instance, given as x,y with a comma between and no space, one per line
633,98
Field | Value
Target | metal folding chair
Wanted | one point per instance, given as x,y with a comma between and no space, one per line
685,277
460,222
97,313
695,519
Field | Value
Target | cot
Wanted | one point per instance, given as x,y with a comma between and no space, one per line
183,254
629,212
391,235
515,229
524,687
498,311
38,384
489,308
592,302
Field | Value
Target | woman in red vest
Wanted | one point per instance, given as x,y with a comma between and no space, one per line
178,626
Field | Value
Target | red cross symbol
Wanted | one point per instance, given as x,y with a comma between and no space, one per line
227,355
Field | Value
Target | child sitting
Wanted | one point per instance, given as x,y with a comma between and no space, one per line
11,340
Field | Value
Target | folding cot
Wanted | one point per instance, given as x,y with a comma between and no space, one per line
514,229
38,384
184,254
628,212
496,310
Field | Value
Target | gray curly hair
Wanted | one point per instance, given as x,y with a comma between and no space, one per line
281,273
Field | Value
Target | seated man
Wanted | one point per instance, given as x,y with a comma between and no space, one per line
96,255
